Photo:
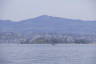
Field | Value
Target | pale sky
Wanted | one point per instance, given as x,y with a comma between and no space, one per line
23,9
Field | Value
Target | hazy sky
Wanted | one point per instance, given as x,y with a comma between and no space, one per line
24,9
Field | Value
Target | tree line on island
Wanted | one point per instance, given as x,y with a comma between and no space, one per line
46,38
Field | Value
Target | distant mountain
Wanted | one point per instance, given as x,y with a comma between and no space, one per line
50,24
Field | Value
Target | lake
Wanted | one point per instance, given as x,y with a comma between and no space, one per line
47,54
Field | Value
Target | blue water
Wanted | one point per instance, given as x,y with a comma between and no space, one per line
47,54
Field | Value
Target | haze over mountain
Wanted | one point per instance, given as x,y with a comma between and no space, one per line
47,23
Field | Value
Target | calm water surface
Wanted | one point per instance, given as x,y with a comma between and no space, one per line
47,54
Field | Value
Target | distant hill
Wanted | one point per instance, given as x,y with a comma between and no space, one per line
47,23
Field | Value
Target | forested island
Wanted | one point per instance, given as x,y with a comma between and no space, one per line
46,29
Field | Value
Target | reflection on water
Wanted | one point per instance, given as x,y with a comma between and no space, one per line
48,54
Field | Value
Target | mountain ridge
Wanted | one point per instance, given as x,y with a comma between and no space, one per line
45,16
45,23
